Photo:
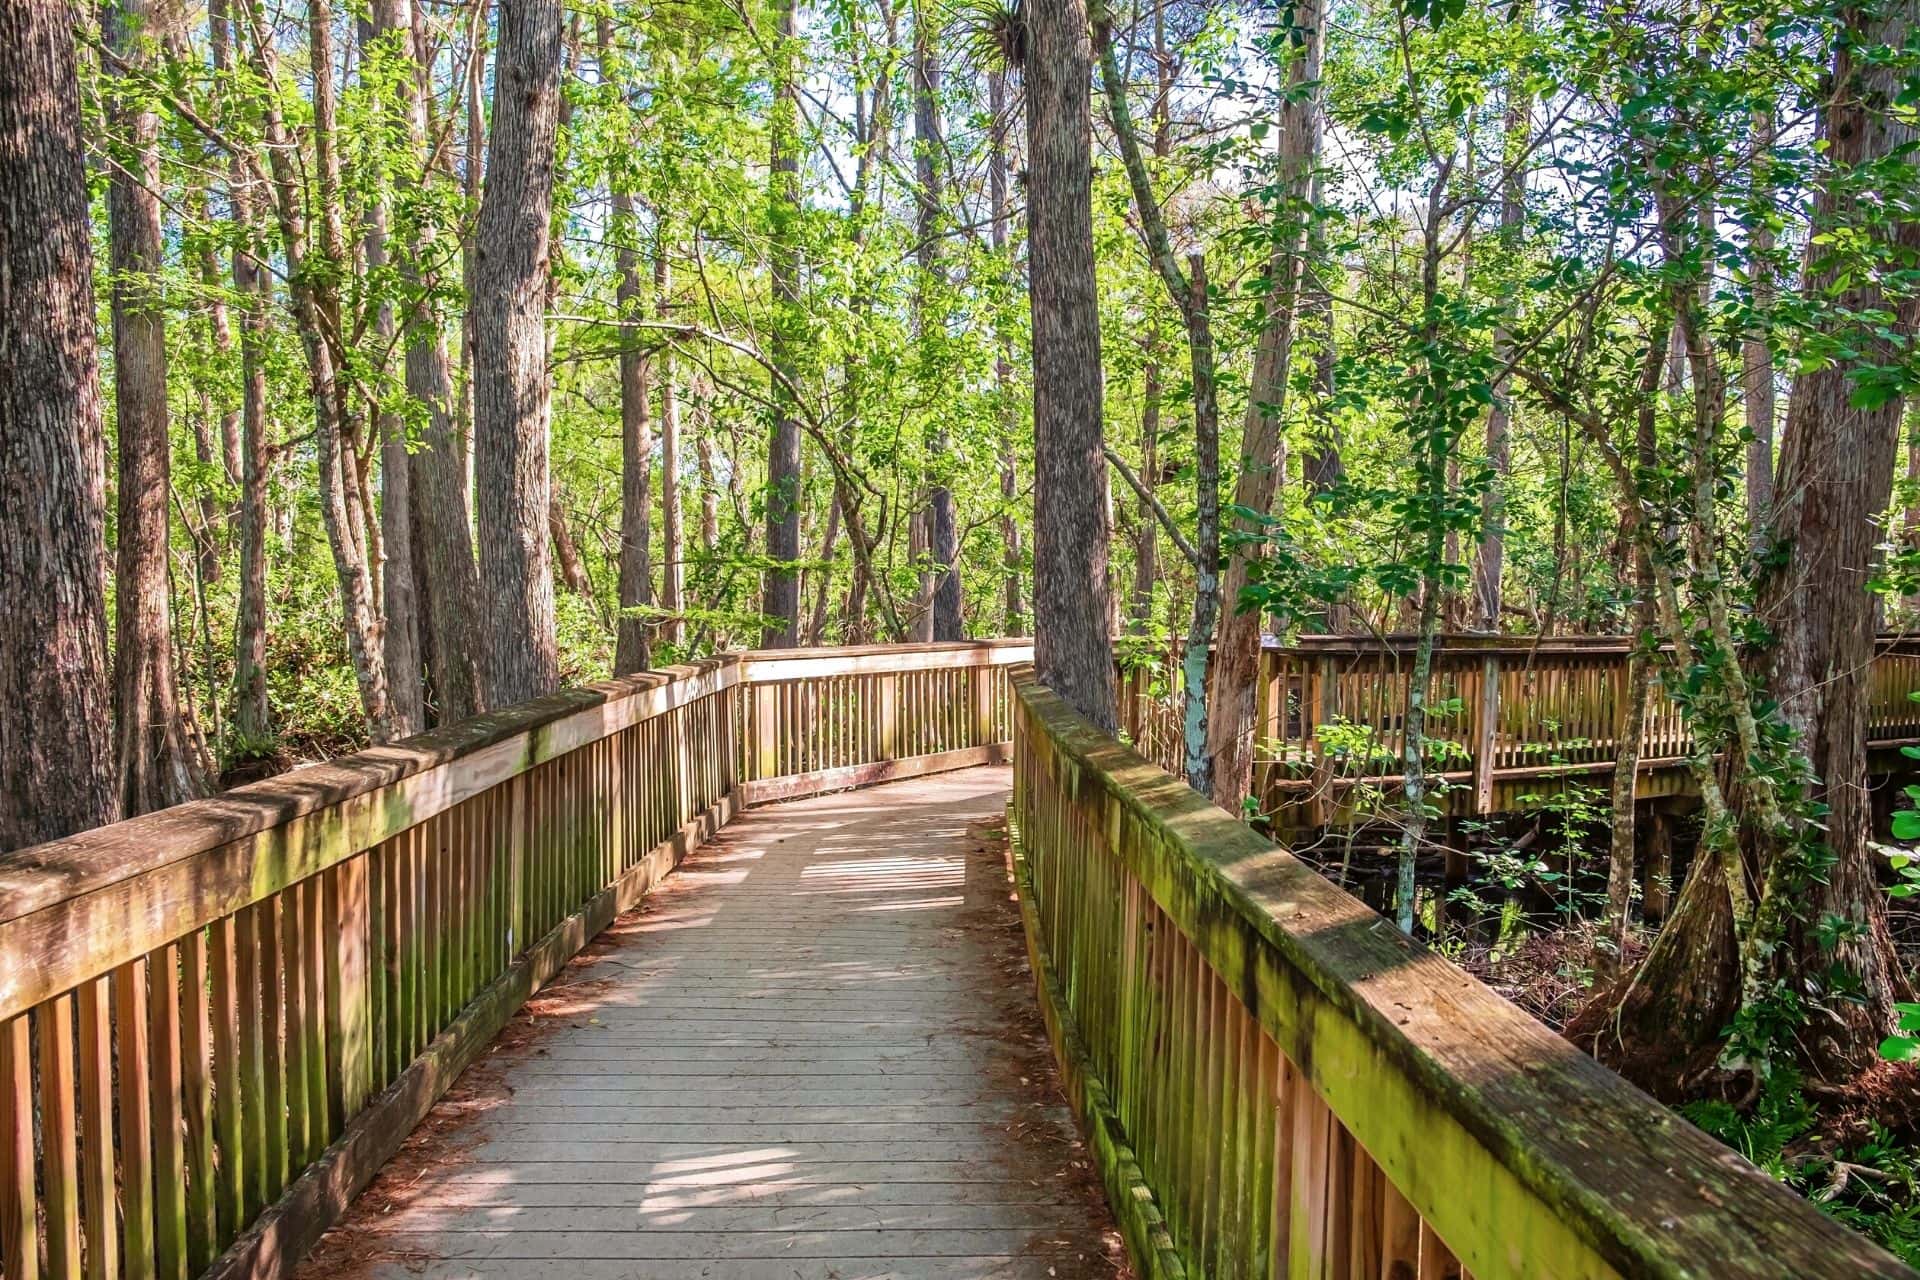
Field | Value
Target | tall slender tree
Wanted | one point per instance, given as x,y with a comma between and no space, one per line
56,752
929,159
160,761
252,715
1072,603
780,593
1230,719
512,408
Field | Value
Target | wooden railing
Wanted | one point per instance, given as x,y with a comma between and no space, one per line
1278,1083
218,1021
1505,716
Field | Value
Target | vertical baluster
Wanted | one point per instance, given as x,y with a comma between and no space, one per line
59,1136
1310,1236
432,924
273,1047
1400,1231
1366,1238
197,1008
345,921
1436,1260
323,1124
169,1127
250,1138
229,1083
98,1198
136,1117
303,1144
19,1230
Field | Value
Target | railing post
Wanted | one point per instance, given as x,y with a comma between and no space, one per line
766,720
982,705
1320,806
1486,744
890,716
517,866
350,1064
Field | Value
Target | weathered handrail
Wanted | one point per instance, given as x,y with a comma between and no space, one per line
218,1021
1277,1082
1505,714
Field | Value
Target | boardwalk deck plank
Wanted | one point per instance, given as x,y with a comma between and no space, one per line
811,1054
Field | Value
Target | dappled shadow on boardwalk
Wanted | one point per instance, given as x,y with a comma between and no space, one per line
812,1053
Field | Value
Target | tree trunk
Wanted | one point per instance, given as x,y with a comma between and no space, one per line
252,717
1640,663
1490,564
1146,557
928,152
406,689
1723,947
317,317
1836,480
1236,675
56,750
1187,291
633,646
566,552
511,389
452,632
1013,612
780,601
817,625
1756,353
158,757
672,537
1073,648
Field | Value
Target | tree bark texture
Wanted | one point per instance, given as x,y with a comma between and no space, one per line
1073,647
56,751
512,409
449,579
672,532
158,756
781,588
400,594
1835,481
633,644
1236,674
928,156
252,717
1490,564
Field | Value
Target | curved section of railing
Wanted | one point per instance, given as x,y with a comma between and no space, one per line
1504,716
218,1021
1278,1083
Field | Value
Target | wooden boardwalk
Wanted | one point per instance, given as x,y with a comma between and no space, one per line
812,1053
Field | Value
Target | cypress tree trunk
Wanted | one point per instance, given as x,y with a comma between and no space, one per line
159,759
942,535
1013,612
1230,719
448,579
1756,354
252,717
406,687
780,592
633,649
1073,648
1489,566
511,390
56,755
672,535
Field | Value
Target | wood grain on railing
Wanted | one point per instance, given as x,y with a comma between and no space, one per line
218,1021
1278,1083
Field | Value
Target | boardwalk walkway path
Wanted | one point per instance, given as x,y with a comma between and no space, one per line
812,1053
